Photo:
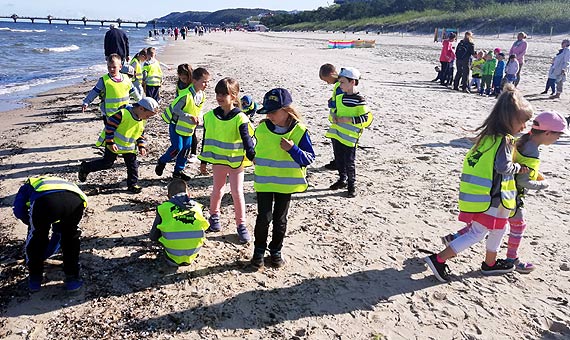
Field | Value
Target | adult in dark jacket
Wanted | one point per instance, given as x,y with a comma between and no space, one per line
464,50
116,41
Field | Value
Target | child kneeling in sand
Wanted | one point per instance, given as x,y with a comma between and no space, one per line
546,129
487,192
179,225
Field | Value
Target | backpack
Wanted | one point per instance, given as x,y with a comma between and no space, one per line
462,50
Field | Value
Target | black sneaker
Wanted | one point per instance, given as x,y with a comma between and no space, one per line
82,174
501,267
159,169
331,165
277,260
257,260
351,192
338,185
134,189
440,270
181,175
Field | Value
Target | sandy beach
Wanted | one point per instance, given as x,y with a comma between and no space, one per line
355,267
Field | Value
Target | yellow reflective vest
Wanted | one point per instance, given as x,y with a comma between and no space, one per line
153,73
332,101
478,174
136,64
182,231
275,169
530,162
47,183
184,125
222,142
116,94
348,133
126,134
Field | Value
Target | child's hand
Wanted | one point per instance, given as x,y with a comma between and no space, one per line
83,107
540,177
524,170
143,152
114,147
344,120
286,144
194,120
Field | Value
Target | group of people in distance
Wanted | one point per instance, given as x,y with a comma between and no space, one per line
279,148
491,70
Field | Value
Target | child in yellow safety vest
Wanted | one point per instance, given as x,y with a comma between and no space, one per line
546,129
179,225
328,74
136,63
123,135
352,116
282,153
183,116
487,192
227,144
152,74
114,88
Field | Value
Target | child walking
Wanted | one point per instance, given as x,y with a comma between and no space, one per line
114,89
499,74
136,63
329,75
123,135
184,72
228,145
476,70
352,116
179,225
551,81
282,153
152,74
183,115
487,192
546,129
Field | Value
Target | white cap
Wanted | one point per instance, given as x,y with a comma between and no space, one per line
128,70
112,25
149,104
349,72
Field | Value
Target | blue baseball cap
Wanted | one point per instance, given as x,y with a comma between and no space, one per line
246,100
274,100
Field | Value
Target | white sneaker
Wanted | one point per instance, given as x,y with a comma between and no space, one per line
193,159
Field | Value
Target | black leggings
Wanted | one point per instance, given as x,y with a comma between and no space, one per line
63,210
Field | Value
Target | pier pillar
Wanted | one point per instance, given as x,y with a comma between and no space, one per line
102,23
32,20
67,21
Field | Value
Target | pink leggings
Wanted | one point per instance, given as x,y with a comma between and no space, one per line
221,172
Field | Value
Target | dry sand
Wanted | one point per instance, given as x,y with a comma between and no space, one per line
354,266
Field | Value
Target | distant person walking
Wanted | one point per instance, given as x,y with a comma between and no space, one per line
561,67
519,49
446,57
116,41
465,49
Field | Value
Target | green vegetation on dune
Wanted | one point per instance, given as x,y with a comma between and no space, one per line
538,16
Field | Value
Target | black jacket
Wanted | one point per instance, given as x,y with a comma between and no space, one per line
116,41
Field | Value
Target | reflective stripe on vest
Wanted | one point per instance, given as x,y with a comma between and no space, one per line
477,178
275,169
48,183
182,231
332,101
222,142
136,64
184,125
153,74
116,94
126,134
348,133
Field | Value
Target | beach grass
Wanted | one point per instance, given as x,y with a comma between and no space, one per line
536,17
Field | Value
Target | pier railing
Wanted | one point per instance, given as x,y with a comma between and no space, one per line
84,20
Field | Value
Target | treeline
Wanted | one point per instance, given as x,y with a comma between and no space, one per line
374,8
224,16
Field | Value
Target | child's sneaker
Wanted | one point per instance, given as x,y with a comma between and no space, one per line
500,267
257,258
522,267
35,283
135,189
159,169
440,270
181,175
82,174
73,283
277,260
215,225
331,165
243,234
338,185
446,240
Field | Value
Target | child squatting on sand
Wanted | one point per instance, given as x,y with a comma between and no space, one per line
487,192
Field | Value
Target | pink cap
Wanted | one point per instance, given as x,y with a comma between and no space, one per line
497,50
550,121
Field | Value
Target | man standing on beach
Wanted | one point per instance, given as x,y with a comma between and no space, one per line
116,41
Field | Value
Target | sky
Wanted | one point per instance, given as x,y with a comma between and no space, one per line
141,9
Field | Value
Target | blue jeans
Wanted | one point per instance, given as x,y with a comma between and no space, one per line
179,149
551,84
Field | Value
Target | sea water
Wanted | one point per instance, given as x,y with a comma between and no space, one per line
41,56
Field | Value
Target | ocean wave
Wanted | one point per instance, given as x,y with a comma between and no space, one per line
56,49
13,88
21,31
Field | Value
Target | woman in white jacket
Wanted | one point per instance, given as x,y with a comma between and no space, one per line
561,67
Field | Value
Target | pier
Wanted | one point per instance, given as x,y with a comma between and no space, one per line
84,20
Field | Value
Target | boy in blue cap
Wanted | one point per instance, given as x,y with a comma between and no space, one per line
248,106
